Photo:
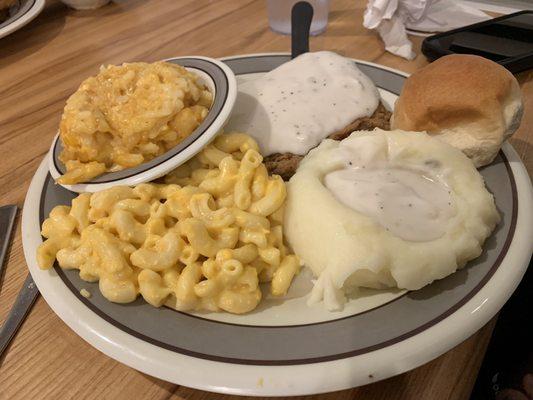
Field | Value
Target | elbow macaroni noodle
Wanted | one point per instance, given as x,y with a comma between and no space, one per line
202,240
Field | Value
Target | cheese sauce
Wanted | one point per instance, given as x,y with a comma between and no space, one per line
295,106
412,203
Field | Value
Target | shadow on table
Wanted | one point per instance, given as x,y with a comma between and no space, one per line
115,7
35,35
49,24
507,369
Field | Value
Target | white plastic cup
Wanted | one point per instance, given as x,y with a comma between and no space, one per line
279,15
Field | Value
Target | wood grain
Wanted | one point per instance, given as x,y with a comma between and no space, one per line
44,62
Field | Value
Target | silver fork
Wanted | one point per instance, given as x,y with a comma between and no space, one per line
29,291
7,221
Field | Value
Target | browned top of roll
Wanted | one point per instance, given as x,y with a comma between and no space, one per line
471,102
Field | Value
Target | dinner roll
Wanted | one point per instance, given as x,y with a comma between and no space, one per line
467,101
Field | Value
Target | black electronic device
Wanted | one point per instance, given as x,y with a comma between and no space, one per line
507,40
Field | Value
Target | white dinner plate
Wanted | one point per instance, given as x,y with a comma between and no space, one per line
20,14
284,347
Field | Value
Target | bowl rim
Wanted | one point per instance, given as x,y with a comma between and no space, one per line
224,83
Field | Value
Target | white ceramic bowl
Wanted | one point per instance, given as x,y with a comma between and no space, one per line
220,80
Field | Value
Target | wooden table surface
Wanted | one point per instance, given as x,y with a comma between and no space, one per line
43,63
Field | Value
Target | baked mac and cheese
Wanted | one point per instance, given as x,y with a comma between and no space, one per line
202,240
127,115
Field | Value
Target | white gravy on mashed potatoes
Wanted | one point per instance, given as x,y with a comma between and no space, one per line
411,204
436,213
292,108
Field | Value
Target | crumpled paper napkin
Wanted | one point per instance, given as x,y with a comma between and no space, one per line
391,18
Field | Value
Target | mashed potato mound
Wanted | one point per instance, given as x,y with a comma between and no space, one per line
347,249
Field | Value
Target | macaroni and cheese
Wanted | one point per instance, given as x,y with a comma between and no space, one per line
202,240
127,115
